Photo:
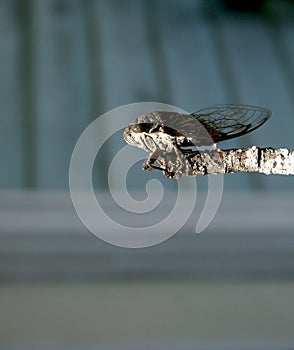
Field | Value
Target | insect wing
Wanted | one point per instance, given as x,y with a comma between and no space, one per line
225,122
183,125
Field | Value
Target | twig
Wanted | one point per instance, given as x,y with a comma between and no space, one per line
254,159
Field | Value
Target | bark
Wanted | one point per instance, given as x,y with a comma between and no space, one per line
254,159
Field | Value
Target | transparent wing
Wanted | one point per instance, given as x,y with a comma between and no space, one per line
225,122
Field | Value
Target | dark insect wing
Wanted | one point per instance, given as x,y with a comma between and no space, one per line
225,122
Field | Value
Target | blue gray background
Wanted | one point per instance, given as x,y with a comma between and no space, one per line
65,62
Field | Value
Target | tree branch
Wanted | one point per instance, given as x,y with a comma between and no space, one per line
254,159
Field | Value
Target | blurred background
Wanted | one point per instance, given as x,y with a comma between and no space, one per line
64,63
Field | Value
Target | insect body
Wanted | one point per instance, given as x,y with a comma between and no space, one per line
160,133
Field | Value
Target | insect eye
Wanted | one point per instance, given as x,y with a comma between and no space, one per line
137,128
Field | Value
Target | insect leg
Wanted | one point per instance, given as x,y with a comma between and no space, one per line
150,160
179,153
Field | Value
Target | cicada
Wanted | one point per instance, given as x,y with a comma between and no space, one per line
163,133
